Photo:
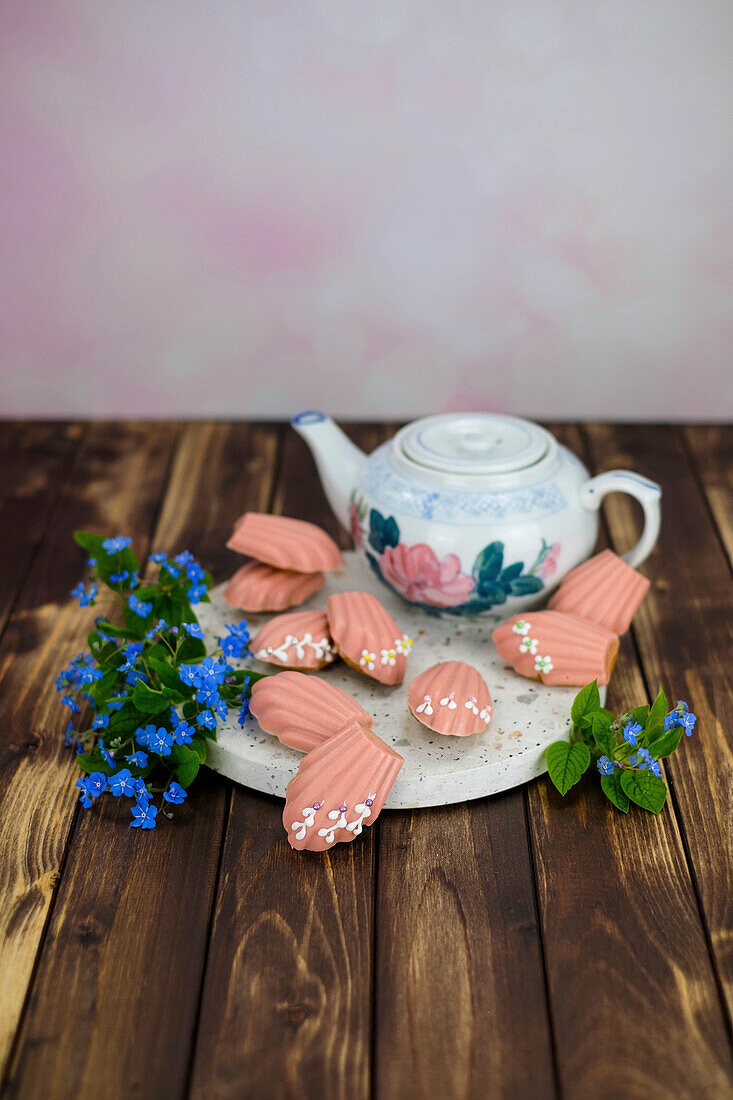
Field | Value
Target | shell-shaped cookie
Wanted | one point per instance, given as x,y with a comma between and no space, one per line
367,637
259,587
285,543
451,698
339,788
298,639
303,711
557,648
604,590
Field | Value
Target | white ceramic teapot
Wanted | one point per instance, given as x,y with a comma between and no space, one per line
470,513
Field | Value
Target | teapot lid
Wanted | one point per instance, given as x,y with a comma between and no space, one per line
474,443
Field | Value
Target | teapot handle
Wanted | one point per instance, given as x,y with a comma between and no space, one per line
647,492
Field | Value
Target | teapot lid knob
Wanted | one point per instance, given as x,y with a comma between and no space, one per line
474,443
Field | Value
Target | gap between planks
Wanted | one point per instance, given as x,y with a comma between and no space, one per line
43,812
691,610
135,859
287,1002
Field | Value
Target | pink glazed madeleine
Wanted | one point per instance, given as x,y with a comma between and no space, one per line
259,587
285,543
367,637
557,648
303,711
299,639
604,590
451,698
340,787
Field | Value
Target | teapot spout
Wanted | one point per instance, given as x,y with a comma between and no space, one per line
338,460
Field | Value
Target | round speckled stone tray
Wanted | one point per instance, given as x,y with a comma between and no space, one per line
438,770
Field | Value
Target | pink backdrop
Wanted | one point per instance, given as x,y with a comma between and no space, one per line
380,207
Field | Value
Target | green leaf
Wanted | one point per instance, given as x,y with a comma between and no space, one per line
190,649
585,704
666,744
90,542
167,675
645,789
659,707
183,754
93,762
135,623
488,562
566,763
525,586
199,746
188,771
102,651
118,631
582,733
601,730
640,714
614,792
126,719
124,561
152,702
102,689
653,729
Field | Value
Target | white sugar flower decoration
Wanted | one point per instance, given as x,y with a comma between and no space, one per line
338,817
528,645
543,664
521,626
485,714
301,827
322,650
367,659
449,701
426,706
471,704
389,657
404,644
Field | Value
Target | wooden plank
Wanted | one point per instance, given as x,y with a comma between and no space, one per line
115,486
684,630
35,462
460,1006
711,450
128,936
286,1008
620,917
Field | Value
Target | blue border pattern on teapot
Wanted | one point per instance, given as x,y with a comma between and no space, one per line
397,493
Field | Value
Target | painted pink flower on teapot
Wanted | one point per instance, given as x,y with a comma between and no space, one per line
418,575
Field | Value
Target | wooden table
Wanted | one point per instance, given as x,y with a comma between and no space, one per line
515,946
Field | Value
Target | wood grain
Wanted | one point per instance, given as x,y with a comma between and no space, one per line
286,1009
115,487
460,1005
35,462
126,945
711,449
684,630
518,946
460,1001
620,917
